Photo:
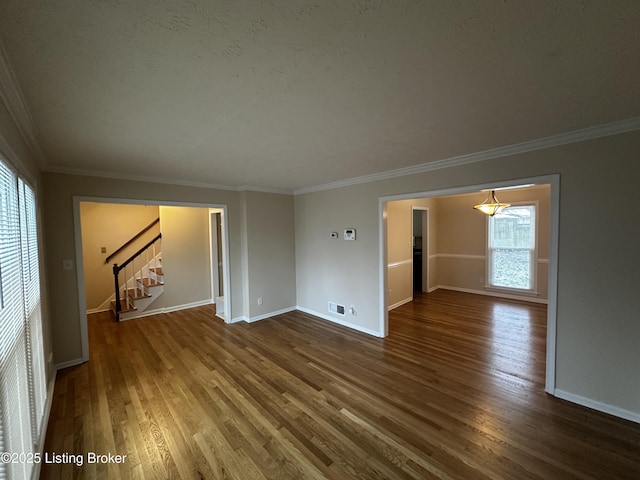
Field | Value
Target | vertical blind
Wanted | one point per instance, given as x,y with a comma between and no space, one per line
22,367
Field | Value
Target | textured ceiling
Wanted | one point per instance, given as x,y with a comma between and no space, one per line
289,94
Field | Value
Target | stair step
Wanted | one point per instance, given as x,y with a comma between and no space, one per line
150,282
157,270
137,293
123,306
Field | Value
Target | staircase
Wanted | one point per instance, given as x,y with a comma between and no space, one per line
137,287
141,291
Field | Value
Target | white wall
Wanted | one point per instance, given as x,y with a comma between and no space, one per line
337,270
186,257
598,328
270,254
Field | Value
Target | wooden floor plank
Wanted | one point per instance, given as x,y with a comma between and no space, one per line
455,391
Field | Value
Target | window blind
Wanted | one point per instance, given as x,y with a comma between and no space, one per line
33,316
22,369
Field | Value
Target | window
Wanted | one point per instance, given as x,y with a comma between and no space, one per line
512,253
22,368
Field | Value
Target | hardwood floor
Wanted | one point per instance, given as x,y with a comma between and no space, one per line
454,392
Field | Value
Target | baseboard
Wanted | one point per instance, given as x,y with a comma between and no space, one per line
490,293
353,326
97,310
106,305
45,423
269,315
400,303
68,363
176,308
599,406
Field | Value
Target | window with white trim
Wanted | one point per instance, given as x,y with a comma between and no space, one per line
22,367
512,249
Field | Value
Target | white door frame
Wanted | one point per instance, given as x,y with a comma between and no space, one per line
554,228
77,227
213,242
213,247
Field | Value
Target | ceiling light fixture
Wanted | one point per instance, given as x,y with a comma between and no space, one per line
491,205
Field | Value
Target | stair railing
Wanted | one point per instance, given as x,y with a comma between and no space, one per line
132,239
117,269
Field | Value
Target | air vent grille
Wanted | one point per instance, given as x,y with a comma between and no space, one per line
336,308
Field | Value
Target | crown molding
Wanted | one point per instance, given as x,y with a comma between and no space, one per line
575,136
590,133
250,188
164,181
8,155
13,99
138,178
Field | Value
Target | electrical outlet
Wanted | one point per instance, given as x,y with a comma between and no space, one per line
259,300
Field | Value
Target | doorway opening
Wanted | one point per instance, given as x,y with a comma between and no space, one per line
420,241
387,259
183,225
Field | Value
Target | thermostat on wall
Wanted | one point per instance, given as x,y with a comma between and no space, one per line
350,234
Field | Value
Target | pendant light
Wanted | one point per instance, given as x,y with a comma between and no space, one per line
491,205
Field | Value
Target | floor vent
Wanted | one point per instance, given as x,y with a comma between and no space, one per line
336,308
